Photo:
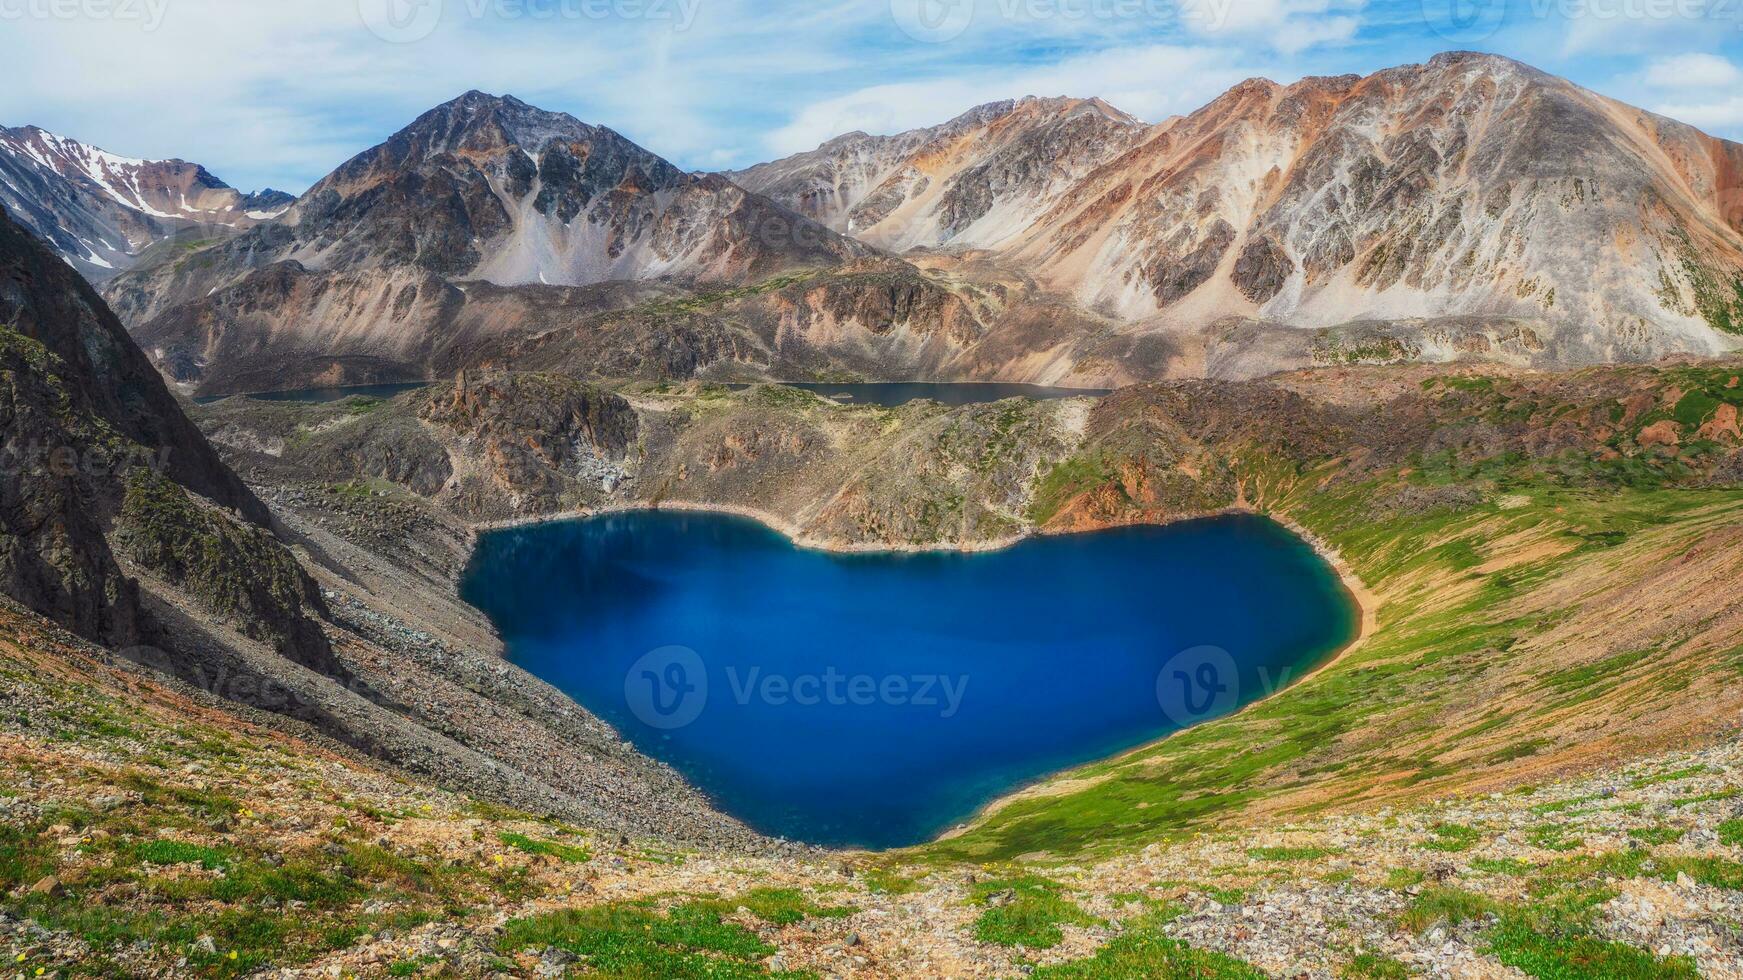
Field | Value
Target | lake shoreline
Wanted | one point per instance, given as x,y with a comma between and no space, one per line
1367,606
1366,603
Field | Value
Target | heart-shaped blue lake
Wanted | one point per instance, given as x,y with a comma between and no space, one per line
875,700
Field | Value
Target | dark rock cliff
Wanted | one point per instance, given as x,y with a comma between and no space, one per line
95,447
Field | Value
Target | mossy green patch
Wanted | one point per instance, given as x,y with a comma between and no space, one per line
568,853
180,852
881,881
1444,906
1511,867
1731,833
1452,837
1143,951
1026,910
1552,949
1373,966
635,940
1552,837
1656,835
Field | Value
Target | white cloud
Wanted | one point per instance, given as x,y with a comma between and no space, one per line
1594,28
1695,88
270,91
1720,115
1150,82
284,92
1289,26
1686,71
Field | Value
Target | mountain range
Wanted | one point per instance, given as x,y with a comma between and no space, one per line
373,269
1468,208
1469,186
99,211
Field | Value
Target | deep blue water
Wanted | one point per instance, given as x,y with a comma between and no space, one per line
711,641
896,393
318,395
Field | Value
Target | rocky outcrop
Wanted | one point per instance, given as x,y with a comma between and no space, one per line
239,573
103,371
98,450
525,445
53,555
530,438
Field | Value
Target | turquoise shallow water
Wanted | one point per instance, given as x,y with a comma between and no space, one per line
875,700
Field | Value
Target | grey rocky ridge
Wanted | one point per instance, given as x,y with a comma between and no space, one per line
100,211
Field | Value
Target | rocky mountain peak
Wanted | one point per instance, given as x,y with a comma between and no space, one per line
478,122
481,189
1482,61
929,186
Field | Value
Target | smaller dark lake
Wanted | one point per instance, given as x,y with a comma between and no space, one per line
318,395
887,395
897,393
877,699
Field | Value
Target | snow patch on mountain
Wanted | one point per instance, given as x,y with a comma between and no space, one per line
83,199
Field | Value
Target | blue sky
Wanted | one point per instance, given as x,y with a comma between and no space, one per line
276,92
